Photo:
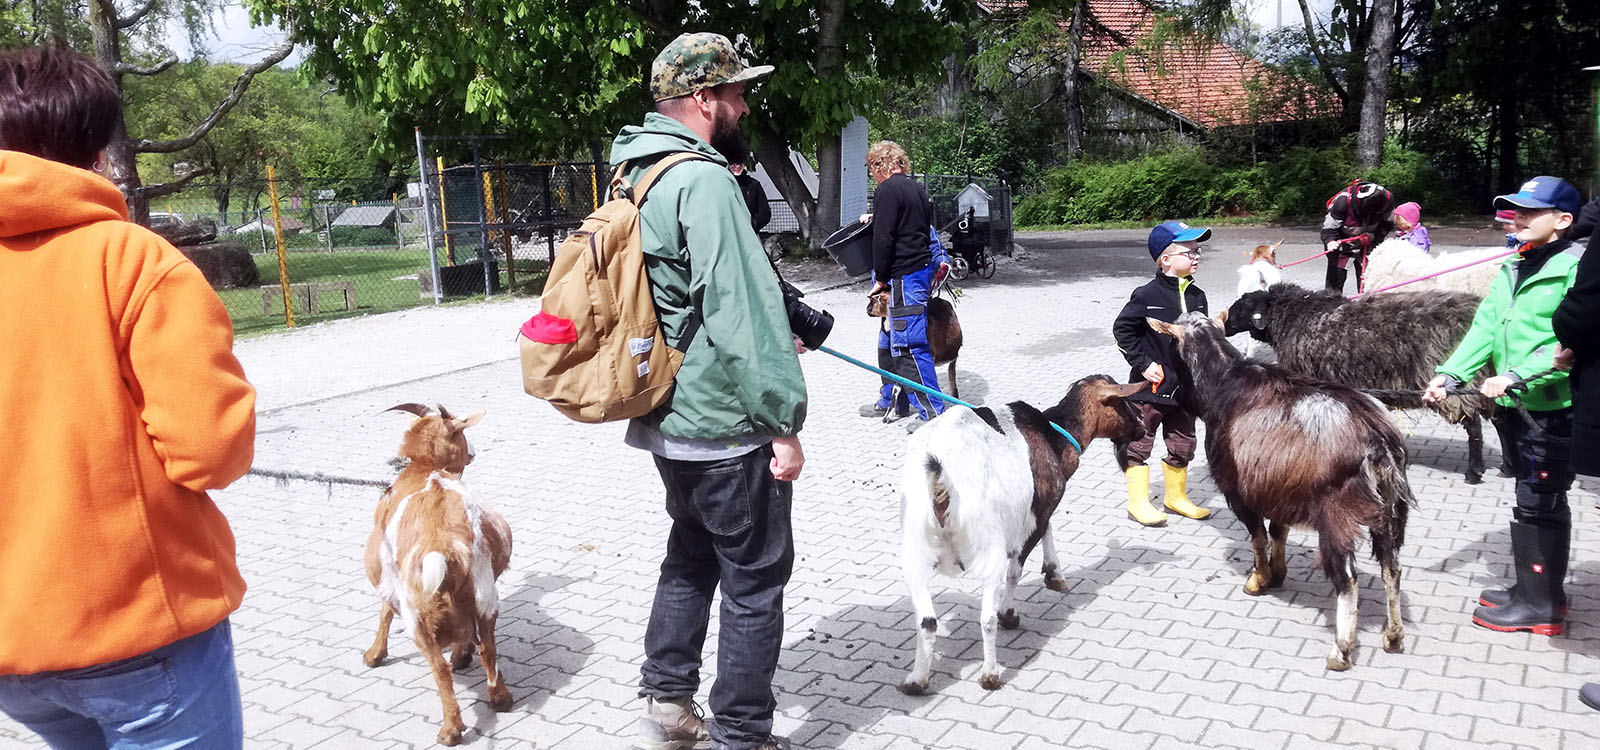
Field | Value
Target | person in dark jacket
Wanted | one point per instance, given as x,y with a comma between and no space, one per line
755,196
903,268
1588,218
1175,246
1357,220
1577,326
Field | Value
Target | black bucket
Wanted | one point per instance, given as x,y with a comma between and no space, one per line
851,247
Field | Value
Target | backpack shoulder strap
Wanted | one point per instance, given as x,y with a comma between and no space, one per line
656,171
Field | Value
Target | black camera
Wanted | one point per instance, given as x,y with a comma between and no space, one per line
809,324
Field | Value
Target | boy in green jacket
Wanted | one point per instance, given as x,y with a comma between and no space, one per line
1512,335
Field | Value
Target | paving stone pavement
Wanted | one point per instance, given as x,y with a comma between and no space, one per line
1154,646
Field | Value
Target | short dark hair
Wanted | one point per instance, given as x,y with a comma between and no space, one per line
56,104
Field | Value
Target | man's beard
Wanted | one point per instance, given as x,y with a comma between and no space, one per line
729,141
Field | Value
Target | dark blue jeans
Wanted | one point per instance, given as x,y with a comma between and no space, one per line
184,694
730,526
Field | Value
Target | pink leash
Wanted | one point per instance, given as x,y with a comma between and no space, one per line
1302,260
1435,273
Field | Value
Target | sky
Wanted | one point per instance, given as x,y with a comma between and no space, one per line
236,41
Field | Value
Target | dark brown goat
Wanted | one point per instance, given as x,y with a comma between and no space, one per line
1386,341
1285,451
944,337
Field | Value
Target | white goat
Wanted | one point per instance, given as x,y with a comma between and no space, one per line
979,488
1396,260
1261,271
434,554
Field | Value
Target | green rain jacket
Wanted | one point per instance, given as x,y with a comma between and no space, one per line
1512,332
709,276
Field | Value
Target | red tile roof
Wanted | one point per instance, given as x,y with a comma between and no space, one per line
1201,80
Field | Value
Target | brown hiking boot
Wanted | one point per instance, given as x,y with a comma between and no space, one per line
672,724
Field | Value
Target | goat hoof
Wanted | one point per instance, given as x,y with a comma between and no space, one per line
1010,620
914,687
500,698
1255,584
461,660
1277,579
1394,643
990,681
1055,583
374,657
1338,663
1474,478
450,736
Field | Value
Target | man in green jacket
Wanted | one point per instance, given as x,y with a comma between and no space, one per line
1512,335
726,442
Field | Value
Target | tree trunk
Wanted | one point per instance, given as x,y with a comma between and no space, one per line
773,154
122,166
1506,179
830,14
1070,88
1375,97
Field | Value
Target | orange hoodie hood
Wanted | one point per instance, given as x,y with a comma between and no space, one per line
123,404
42,195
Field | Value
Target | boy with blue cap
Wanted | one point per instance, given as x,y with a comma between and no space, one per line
1512,334
1175,247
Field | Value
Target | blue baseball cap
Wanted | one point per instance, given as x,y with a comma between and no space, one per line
1543,192
1175,231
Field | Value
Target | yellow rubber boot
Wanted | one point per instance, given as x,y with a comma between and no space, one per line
1139,507
1177,497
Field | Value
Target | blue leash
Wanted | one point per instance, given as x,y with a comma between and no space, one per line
932,391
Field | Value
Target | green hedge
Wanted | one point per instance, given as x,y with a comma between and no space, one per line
1184,182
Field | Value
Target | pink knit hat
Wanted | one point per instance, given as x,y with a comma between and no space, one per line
1410,211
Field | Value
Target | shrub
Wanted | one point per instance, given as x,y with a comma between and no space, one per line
363,236
1184,182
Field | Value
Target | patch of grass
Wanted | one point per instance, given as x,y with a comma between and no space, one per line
385,281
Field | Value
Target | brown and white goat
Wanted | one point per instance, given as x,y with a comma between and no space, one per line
1261,269
434,554
978,490
1289,451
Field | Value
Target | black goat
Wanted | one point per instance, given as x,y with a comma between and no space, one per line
1388,341
1288,450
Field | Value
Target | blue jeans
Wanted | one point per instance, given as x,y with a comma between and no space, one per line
182,695
730,526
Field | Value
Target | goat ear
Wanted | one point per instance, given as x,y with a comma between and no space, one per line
1167,328
461,424
1221,319
417,409
1124,391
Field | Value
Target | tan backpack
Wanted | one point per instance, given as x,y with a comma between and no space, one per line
595,350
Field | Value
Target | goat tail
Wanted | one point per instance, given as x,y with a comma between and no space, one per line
1387,462
434,566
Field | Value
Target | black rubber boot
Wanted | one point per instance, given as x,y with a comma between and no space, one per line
1590,695
1502,597
1541,567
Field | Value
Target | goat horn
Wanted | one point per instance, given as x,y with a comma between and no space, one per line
417,409
444,413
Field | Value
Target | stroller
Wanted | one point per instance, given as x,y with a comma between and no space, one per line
970,243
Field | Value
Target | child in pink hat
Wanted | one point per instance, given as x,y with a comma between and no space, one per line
1407,218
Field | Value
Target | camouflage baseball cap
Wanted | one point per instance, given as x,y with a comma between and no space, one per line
698,61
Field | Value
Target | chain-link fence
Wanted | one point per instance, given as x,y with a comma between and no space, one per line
492,224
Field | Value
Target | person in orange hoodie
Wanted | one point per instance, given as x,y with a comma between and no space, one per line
122,404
